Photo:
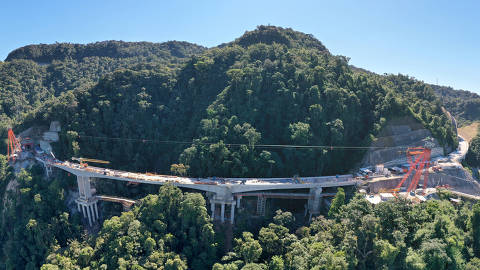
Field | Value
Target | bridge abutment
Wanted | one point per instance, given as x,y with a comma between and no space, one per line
47,166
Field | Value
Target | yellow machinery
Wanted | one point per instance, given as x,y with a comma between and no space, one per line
83,161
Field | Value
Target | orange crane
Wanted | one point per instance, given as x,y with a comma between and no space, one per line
13,145
83,161
419,160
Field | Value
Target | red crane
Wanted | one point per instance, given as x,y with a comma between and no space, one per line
419,159
13,145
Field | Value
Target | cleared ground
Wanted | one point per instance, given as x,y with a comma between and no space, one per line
470,131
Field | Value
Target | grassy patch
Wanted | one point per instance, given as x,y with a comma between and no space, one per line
470,131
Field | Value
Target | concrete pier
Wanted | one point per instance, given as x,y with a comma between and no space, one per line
86,202
238,201
314,201
232,213
89,209
212,209
222,212
226,199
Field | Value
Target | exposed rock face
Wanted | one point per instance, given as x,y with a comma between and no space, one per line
50,136
407,132
400,133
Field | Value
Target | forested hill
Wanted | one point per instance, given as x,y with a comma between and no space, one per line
270,86
34,74
464,105
46,53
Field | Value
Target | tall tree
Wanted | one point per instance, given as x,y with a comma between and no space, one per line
475,220
337,202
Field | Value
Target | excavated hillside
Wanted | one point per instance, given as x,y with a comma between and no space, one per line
400,133
403,132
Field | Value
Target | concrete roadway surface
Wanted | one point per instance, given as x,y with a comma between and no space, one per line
459,155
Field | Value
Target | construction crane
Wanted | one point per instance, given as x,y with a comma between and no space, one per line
13,145
83,161
419,160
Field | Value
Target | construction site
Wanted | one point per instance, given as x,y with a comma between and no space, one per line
406,165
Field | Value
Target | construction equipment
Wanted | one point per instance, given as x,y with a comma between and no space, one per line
419,160
13,145
83,161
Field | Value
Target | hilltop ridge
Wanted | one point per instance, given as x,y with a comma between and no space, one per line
268,34
46,53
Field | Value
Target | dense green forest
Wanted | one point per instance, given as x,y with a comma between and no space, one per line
463,105
35,74
171,230
146,106
33,217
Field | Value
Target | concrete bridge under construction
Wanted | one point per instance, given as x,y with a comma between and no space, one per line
220,192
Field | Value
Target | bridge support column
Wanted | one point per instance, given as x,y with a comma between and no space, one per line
89,215
86,201
84,188
212,209
96,210
48,169
238,201
232,213
89,209
223,199
314,201
222,212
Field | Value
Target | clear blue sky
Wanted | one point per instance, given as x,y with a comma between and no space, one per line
429,40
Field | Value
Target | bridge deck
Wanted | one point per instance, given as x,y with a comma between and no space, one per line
206,184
